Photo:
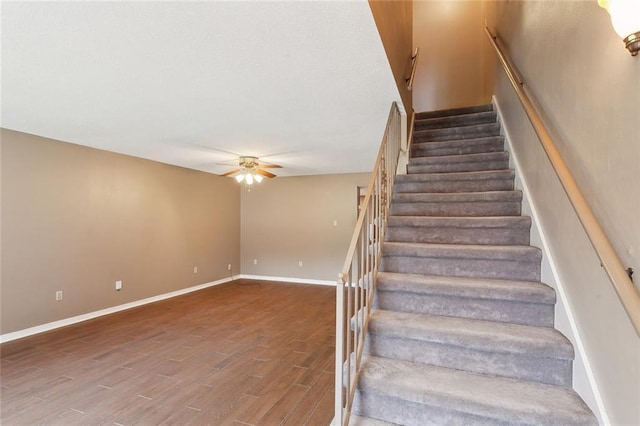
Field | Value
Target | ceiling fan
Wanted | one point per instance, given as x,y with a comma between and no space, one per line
251,169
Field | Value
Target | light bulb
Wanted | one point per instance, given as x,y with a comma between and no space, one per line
625,16
258,178
249,179
240,178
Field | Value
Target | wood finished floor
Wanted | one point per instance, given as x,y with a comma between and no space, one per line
242,353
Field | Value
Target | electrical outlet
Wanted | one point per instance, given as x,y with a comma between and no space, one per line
300,263
228,267
118,285
335,222
255,261
195,269
59,295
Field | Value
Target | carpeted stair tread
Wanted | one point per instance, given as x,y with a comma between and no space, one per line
458,197
423,394
460,222
457,133
539,354
500,300
455,120
465,287
474,334
480,181
470,260
459,163
452,205
457,147
473,176
487,230
458,251
454,111
462,158
367,421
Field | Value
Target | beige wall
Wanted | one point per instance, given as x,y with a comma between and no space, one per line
395,25
589,89
453,70
77,219
290,219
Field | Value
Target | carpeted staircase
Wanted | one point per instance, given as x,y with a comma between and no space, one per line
463,331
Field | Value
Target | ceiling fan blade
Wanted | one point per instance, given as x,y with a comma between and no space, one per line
269,166
265,173
230,173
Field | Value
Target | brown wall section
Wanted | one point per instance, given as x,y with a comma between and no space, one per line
77,219
456,67
290,219
395,25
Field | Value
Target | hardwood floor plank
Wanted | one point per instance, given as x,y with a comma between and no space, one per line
269,391
308,403
229,416
319,414
242,353
285,405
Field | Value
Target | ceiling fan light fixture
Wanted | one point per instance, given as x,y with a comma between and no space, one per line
251,171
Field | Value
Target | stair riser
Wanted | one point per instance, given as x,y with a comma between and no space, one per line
517,366
459,167
407,413
535,314
448,186
454,112
464,209
424,150
457,133
471,158
456,235
455,121
525,270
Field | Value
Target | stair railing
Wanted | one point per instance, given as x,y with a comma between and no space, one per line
412,72
610,261
357,280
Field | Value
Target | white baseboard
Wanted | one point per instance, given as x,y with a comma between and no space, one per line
84,317
557,283
287,279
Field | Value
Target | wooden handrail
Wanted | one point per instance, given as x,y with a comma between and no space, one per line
414,65
610,261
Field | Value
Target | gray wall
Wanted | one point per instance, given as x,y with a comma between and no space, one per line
588,86
291,219
77,219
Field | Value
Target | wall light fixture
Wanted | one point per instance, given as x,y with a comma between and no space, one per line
625,18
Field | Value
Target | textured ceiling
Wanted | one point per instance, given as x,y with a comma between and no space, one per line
303,84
